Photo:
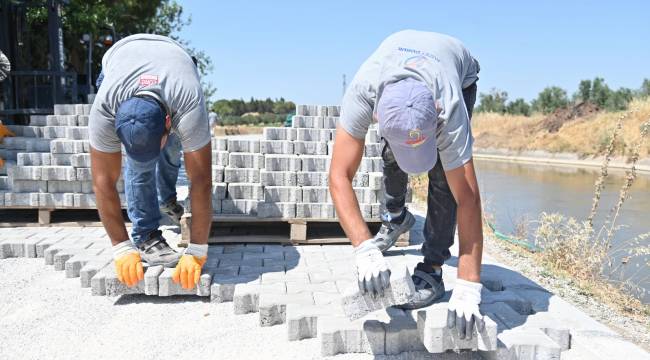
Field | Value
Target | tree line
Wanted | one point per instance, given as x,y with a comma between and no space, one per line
594,91
254,111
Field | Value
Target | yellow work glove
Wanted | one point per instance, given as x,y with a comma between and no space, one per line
4,132
188,270
128,264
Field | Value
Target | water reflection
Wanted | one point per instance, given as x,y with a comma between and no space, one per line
516,193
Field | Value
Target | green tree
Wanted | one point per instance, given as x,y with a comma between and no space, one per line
495,101
518,107
101,17
584,91
619,99
600,92
549,99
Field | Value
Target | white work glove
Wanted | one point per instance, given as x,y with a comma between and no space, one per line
463,311
372,269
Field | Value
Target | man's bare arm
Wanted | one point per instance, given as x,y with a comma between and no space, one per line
464,186
348,152
198,165
106,169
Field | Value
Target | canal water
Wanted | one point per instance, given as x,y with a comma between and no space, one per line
515,195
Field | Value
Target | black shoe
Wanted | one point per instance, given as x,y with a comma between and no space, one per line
391,229
173,210
156,251
429,287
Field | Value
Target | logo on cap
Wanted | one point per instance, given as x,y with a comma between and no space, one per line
416,138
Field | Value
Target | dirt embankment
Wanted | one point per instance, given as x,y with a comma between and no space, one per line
583,130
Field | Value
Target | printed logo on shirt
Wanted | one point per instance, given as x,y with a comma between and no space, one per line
416,138
148,80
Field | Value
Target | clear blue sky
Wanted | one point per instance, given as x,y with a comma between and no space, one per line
301,49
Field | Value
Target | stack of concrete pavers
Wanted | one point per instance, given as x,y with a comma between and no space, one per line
285,174
301,287
49,162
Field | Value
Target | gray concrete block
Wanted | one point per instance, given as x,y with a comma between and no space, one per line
365,195
67,246
58,186
311,163
61,257
64,109
82,120
316,194
64,146
402,333
54,132
218,173
83,109
375,180
25,173
220,143
360,180
76,263
310,148
67,173
151,276
61,200
401,290
277,178
21,199
29,159
308,178
38,120
80,160
77,133
334,110
516,302
245,160
306,134
307,110
285,210
237,175
167,287
371,164
279,133
340,336
330,122
372,136
219,191
272,307
239,207
245,191
306,121
438,338
114,287
290,194
85,201
38,145
4,185
84,174
90,269
314,210
276,147
98,281
223,286
61,120
528,344
23,186
373,150
246,298
243,145
60,160
282,163
220,158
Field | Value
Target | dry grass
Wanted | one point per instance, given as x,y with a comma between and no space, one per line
587,136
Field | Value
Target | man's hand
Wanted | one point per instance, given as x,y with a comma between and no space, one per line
188,270
374,275
463,311
128,264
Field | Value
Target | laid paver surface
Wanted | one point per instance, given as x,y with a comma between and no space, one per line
263,301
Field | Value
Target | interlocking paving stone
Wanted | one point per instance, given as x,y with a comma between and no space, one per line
401,289
272,307
438,338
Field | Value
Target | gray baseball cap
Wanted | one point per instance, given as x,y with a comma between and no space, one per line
407,119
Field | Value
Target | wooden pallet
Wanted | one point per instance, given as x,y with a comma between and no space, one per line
237,229
44,216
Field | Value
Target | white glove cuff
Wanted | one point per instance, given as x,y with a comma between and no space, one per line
468,290
365,246
196,250
123,248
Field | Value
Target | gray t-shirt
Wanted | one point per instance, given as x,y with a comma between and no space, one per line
157,66
438,60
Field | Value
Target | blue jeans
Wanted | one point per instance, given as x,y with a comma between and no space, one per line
149,185
440,224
